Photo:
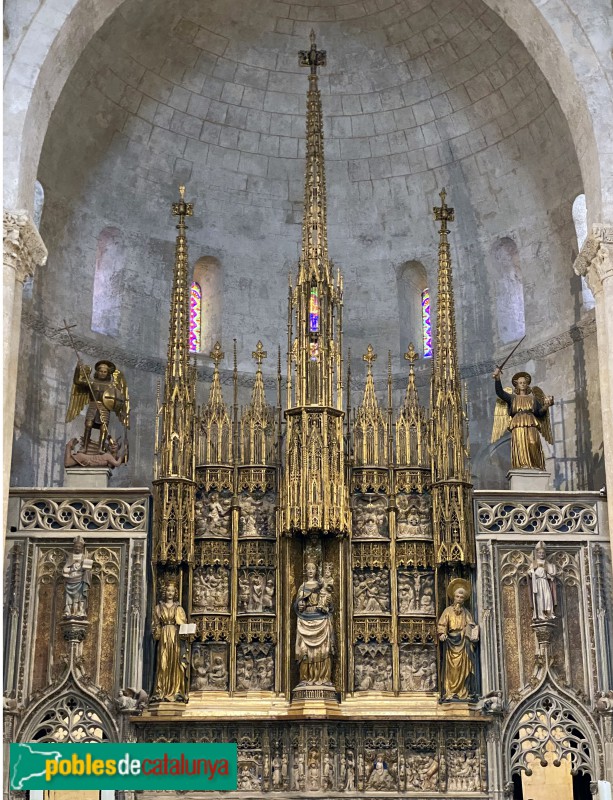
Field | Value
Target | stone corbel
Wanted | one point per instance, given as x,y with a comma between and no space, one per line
595,259
24,250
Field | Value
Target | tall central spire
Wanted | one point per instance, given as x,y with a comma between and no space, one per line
315,483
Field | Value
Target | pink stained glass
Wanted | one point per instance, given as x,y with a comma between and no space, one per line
426,323
195,317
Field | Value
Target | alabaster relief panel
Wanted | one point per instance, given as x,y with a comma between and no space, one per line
463,770
414,516
417,668
419,771
371,591
256,590
211,590
209,667
416,592
370,517
373,667
213,513
257,514
255,667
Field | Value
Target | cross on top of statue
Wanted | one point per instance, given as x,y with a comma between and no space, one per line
259,354
312,58
443,213
217,354
411,355
369,356
182,209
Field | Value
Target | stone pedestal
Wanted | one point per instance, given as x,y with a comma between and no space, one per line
87,477
529,480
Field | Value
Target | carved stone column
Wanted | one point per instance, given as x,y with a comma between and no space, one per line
24,251
595,263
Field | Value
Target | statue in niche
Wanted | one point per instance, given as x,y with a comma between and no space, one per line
458,634
209,670
373,667
371,591
417,668
77,579
313,771
543,585
171,667
315,645
370,518
380,778
422,772
416,592
413,518
256,592
106,391
463,771
210,590
524,411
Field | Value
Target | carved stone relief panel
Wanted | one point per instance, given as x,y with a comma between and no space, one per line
209,667
418,671
370,517
380,771
371,591
422,763
257,514
213,513
463,770
211,590
414,516
256,590
255,667
416,592
373,667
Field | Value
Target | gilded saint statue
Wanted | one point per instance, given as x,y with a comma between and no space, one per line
315,630
171,668
77,577
102,393
458,635
523,410
543,585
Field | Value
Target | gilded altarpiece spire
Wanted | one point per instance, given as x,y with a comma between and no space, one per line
454,538
173,518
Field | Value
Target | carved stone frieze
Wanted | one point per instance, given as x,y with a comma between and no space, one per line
81,514
547,516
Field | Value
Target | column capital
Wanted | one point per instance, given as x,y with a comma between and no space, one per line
595,259
24,250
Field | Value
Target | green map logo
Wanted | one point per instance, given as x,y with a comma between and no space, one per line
203,767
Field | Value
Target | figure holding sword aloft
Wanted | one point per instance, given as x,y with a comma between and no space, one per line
523,410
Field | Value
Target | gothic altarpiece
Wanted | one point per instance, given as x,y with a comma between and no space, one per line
325,587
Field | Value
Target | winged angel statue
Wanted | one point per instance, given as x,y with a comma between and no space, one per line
106,391
523,410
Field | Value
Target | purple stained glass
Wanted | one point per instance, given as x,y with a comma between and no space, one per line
314,311
195,317
426,323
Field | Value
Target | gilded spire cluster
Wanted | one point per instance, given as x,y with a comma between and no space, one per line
412,424
370,426
451,487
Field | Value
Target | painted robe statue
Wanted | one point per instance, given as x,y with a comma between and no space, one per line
314,630
170,676
458,634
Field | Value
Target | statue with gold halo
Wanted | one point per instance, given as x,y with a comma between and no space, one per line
171,668
523,410
314,628
458,635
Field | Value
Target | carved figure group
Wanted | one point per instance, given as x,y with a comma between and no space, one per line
371,591
380,778
417,668
257,516
75,455
463,771
523,410
255,668
248,779
413,519
458,635
256,592
373,668
209,669
415,592
315,644
77,581
171,667
370,518
210,589
213,515
422,772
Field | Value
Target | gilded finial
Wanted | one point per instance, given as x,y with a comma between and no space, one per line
369,356
411,355
443,213
259,354
182,192
182,209
313,57
217,354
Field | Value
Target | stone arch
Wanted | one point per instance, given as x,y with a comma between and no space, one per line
509,291
579,212
411,281
208,275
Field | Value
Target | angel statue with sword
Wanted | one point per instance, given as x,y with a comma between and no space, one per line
524,411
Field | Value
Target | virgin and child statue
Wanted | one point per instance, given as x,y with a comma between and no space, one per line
315,645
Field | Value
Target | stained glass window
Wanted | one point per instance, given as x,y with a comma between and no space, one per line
195,317
426,323
314,311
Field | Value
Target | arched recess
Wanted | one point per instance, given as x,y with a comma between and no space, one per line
579,213
508,291
411,282
108,282
208,276
550,726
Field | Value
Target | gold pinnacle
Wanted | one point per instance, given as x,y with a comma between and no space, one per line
369,356
182,192
217,354
411,355
259,354
443,213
